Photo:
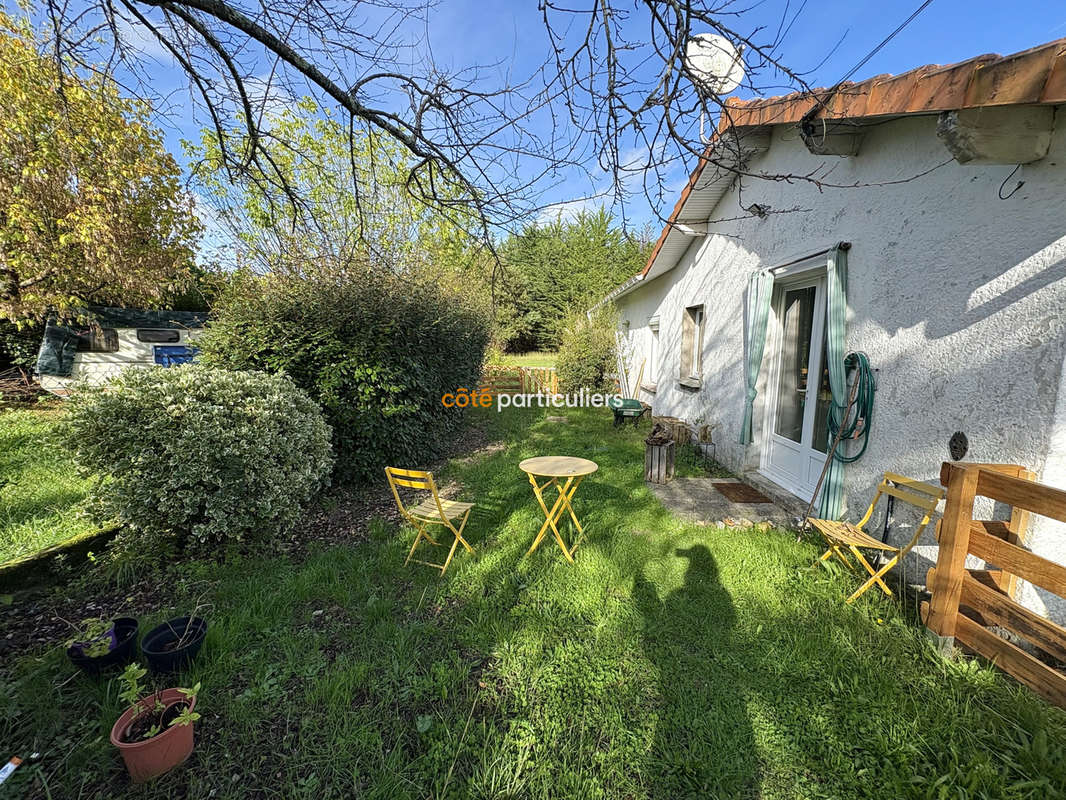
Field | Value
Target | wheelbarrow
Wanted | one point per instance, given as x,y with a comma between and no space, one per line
627,408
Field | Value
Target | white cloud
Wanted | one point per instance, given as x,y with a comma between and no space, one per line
570,209
636,165
266,94
140,38
217,244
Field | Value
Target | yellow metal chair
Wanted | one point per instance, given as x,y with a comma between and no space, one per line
431,511
844,535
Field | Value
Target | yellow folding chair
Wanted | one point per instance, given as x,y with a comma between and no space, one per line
431,511
841,536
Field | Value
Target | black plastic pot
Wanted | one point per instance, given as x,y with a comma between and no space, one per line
124,651
158,644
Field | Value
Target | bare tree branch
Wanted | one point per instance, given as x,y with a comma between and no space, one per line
612,105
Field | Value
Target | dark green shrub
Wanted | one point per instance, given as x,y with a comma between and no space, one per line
377,351
201,456
19,346
588,353
555,268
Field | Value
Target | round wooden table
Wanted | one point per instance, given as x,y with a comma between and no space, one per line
555,468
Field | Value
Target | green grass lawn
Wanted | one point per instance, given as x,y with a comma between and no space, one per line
670,661
40,492
534,358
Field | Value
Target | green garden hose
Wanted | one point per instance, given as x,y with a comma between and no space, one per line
857,426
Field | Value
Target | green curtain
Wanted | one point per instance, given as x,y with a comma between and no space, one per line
831,503
760,288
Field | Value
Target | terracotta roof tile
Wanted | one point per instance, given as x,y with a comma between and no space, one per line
944,88
1037,75
850,100
1055,87
892,95
1019,78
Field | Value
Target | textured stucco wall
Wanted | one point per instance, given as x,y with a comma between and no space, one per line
957,296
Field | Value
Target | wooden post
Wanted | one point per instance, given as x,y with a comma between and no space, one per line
946,588
1018,526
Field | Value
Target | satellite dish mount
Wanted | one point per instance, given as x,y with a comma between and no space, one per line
715,66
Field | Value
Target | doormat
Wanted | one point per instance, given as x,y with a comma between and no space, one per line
741,493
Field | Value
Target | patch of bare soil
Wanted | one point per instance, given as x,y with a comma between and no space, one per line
344,514
41,619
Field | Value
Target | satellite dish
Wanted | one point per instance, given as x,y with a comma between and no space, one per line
714,64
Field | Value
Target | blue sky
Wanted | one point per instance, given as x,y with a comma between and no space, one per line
510,34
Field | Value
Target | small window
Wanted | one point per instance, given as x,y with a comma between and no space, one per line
97,340
691,345
653,355
158,335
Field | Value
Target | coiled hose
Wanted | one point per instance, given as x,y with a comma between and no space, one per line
860,420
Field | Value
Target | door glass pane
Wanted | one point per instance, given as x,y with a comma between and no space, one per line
797,321
821,409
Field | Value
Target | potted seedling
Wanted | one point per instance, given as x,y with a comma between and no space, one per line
155,733
98,643
172,645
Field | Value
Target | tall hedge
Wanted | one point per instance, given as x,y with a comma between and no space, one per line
588,352
375,350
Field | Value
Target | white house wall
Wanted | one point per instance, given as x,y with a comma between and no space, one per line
639,309
956,295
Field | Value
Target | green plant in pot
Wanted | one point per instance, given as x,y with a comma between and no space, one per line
93,638
155,734
100,643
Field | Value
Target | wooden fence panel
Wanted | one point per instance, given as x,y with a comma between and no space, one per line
1021,493
1045,681
502,380
964,601
520,380
544,379
1019,561
997,609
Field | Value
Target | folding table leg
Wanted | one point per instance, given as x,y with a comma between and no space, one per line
552,516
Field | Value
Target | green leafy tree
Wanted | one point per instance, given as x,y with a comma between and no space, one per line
92,207
19,345
588,351
371,301
554,270
333,200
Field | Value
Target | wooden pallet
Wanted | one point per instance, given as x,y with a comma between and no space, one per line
964,602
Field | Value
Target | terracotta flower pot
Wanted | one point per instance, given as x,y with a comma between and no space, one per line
150,758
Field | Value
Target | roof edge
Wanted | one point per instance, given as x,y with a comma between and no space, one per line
1036,76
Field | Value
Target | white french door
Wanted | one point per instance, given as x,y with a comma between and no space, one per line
798,397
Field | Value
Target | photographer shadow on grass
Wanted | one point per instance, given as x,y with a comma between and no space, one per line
704,746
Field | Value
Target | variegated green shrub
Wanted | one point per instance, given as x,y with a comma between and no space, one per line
200,456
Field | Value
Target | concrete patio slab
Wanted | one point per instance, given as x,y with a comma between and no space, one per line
696,499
